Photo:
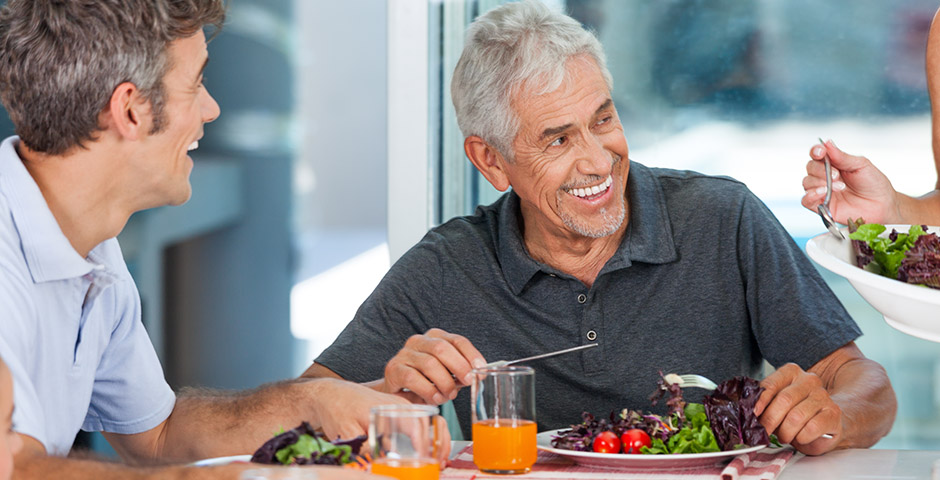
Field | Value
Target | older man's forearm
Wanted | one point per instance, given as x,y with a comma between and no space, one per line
316,370
863,391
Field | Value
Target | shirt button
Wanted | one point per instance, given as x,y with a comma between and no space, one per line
592,335
582,298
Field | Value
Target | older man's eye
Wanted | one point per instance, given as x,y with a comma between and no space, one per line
558,142
603,121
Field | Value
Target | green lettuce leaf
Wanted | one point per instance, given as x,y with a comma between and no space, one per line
695,436
887,254
307,446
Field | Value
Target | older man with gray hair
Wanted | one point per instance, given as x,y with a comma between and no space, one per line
668,271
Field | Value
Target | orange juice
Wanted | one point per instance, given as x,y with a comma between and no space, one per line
505,445
408,469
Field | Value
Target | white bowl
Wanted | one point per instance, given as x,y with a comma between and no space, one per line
912,309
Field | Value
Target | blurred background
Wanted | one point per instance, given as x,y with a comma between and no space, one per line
337,148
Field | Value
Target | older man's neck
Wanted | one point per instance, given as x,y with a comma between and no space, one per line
81,194
578,256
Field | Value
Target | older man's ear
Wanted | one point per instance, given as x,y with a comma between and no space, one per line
488,161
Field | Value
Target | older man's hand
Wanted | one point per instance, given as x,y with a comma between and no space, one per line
797,408
434,366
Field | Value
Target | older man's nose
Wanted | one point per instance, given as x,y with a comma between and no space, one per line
594,158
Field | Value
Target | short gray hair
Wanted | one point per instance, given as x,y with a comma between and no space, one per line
60,60
506,48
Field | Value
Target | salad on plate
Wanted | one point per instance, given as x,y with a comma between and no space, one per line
725,421
305,446
912,257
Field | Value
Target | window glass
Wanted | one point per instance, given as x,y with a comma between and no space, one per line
744,89
339,203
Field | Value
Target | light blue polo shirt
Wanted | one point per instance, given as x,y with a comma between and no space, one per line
70,327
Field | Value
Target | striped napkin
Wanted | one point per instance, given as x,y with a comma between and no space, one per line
763,465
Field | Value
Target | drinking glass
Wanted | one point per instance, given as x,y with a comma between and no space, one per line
406,440
504,419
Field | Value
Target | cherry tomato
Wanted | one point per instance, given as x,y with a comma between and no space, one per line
633,439
606,442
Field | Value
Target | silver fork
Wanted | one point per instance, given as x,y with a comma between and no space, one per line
698,381
823,208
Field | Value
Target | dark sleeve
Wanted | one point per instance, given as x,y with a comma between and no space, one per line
794,315
403,304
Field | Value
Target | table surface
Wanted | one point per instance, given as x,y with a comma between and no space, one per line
857,463
866,464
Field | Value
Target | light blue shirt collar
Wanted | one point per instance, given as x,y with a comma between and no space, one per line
48,253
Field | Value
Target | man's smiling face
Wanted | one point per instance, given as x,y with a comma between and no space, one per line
188,107
570,166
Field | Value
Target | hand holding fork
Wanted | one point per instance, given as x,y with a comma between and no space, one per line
698,381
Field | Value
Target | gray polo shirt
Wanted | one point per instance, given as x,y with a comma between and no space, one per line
705,281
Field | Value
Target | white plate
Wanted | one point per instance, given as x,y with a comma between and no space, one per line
211,462
644,462
911,309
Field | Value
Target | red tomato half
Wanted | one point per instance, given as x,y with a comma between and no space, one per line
606,442
632,440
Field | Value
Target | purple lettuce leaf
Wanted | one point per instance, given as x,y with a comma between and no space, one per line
675,404
921,264
730,411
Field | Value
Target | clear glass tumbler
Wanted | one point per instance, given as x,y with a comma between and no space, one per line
504,427
406,440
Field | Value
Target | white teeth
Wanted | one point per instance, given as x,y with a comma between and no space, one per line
193,146
587,191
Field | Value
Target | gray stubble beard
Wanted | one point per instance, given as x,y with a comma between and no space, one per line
611,221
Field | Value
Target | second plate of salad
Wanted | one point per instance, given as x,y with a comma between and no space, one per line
909,308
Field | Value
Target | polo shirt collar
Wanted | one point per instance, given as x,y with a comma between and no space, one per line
518,267
49,255
648,238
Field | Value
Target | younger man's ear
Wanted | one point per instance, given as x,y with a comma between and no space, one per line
488,161
128,112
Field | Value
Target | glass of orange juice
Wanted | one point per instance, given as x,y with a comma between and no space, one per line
504,419
405,441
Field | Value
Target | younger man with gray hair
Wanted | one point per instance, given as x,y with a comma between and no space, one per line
667,270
